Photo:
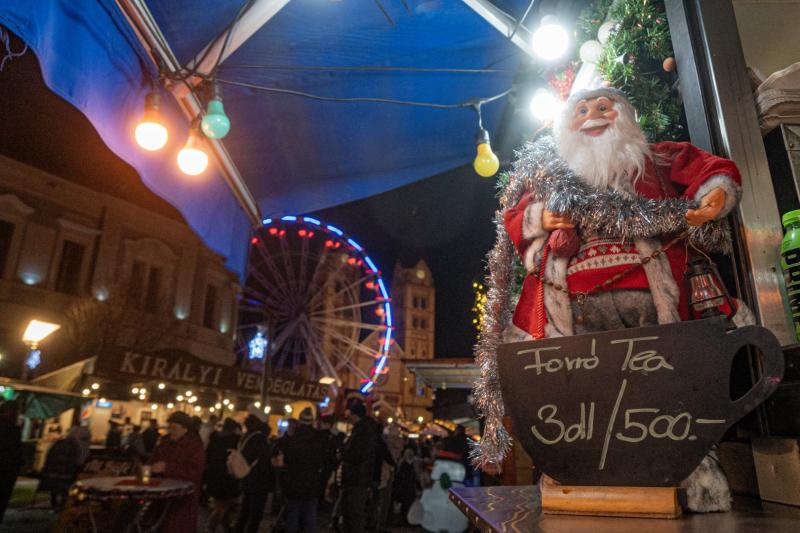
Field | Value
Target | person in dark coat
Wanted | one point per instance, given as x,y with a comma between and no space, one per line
114,436
304,455
260,481
381,490
358,461
406,483
63,462
180,455
10,452
221,487
150,436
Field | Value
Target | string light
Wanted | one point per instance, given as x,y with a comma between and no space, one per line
544,105
215,123
192,160
486,163
550,40
150,133
161,386
170,405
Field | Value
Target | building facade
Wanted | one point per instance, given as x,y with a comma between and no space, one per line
62,243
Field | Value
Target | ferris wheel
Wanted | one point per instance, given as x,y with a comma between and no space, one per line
312,297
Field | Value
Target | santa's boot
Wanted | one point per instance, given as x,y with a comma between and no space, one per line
707,488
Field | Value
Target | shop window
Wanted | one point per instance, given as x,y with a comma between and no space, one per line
69,269
210,307
6,234
136,283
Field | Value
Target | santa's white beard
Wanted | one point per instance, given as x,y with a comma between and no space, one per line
616,158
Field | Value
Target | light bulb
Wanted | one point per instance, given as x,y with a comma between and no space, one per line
550,40
153,407
192,160
486,163
215,123
544,105
161,386
150,133
170,405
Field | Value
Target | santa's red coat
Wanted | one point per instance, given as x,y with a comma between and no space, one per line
685,169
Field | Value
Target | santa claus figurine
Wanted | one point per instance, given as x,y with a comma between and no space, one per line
584,279
601,227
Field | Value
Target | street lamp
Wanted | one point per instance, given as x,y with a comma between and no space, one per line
36,332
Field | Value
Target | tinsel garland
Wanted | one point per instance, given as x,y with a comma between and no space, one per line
539,170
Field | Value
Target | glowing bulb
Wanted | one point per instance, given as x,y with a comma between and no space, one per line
170,405
215,123
150,133
161,386
420,419
226,401
258,405
287,408
142,397
212,409
86,392
390,420
179,397
153,407
188,393
230,406
95,386
486,163
218,405
267,409
197,408
135,390
192,160
544,105
550,40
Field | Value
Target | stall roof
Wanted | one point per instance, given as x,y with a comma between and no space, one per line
457,373
294,154
40,402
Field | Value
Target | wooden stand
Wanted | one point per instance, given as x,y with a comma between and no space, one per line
639,502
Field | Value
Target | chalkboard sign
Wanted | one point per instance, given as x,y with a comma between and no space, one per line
637,407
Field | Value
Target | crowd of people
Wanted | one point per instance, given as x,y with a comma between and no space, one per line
366,481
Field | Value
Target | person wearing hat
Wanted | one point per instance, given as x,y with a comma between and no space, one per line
180,455
304,455
260,481
358,461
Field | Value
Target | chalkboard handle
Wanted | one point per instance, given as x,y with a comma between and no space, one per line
772,366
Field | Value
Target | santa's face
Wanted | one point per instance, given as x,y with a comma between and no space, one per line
593,117
601,142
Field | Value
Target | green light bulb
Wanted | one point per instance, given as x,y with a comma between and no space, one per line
215,123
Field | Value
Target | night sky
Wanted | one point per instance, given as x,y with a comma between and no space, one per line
445,219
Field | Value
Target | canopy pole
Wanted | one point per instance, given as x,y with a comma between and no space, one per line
502,23
142,22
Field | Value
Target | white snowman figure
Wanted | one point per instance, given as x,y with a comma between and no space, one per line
442,515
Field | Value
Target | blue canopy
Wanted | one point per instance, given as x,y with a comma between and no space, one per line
296,154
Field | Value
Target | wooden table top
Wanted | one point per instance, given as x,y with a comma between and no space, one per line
502,509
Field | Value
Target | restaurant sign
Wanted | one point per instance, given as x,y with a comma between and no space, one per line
178,367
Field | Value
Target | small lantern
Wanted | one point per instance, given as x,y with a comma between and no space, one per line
705,291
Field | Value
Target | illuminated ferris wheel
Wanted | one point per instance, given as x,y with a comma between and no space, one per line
311,298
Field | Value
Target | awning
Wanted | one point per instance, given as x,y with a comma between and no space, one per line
39,402
294,154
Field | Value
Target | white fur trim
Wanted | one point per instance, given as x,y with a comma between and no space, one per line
744,315
533,254
666,294
557,303
514,334
532,221
707,488
732,192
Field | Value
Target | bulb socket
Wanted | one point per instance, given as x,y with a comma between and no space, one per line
482,137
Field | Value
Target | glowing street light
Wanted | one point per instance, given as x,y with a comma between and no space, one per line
36,332
550,40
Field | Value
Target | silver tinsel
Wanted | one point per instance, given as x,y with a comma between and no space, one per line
539,170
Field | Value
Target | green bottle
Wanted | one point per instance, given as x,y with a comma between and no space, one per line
790,263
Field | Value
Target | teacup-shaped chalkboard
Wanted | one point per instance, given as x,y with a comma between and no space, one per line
637,407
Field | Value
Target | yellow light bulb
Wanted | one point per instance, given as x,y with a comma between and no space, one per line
150,134
192,160
486,163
